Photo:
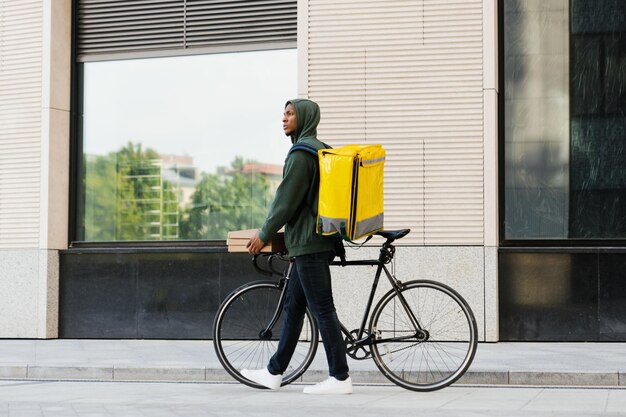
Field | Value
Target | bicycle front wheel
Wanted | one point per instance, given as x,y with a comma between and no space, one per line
437,356
239,338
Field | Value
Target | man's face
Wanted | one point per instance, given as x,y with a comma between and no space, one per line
289,120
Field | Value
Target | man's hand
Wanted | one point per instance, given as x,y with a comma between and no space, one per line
255,244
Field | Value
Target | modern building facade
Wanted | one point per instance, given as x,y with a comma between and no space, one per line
503,120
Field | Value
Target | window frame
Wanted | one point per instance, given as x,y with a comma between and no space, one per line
76,144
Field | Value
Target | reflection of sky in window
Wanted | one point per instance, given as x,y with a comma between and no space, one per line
210,107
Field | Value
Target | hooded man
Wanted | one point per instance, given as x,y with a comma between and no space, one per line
295,207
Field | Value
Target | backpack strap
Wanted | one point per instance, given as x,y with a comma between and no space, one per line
339,249
306,148
303,147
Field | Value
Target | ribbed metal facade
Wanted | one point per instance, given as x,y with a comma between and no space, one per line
20,122
407,74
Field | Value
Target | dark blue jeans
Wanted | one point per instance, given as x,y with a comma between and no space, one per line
310,285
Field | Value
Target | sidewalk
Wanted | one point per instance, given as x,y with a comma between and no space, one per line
544,364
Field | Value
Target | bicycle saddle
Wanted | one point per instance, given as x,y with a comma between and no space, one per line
392,235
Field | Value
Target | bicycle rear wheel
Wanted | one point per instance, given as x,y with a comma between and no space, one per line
238,327
431,360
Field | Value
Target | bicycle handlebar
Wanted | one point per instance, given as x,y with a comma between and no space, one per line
270,264
387,253
258,268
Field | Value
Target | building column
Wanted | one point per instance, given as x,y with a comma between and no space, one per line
55,146
35,74
490,166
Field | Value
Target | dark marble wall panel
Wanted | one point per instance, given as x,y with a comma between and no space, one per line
177,295
543,296
575,295
98,293
236,270
148,295
612,296
548,296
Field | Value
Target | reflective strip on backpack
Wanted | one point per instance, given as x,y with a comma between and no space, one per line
328,225
366,162
369,225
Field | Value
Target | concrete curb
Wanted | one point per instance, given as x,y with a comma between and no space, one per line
182,374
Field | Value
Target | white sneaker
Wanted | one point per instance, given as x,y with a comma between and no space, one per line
263,377
331,386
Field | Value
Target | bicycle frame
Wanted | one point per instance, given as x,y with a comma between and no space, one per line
386,255
361,340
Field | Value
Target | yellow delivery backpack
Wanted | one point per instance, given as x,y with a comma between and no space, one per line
351,190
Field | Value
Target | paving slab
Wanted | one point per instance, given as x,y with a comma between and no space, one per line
537,364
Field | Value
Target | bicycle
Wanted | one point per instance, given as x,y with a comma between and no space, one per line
422,334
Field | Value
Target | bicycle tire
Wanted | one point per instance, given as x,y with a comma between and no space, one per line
237,327
447,352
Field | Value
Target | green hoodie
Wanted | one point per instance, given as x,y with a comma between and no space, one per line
295,203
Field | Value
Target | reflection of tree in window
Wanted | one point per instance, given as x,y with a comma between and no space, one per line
132,195
146,204
234,198
100,186
129,198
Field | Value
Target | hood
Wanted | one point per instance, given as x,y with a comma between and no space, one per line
307,118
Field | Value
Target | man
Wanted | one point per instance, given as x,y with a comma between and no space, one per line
295,207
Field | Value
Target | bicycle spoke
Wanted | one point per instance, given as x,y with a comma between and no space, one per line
449,339
238,327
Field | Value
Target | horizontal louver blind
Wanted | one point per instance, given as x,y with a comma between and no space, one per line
116,26
21,23
407,74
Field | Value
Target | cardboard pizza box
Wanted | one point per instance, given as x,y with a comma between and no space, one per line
238,239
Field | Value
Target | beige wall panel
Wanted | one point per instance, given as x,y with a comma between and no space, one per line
407,74
56,70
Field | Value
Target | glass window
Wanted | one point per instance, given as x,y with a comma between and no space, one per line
598,119
564,119
182,147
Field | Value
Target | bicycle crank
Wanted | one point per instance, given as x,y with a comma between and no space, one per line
358,349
